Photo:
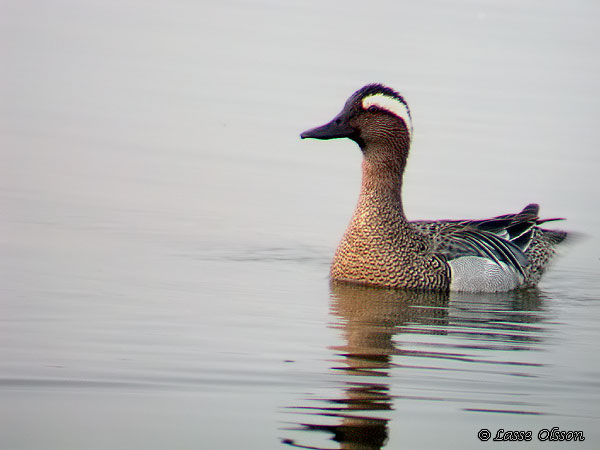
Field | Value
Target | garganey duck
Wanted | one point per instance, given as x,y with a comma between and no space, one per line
381,247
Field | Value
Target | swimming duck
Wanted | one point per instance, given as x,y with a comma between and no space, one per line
381,247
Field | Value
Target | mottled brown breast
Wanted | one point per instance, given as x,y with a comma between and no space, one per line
380,248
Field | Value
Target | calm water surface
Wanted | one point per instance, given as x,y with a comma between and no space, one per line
167,236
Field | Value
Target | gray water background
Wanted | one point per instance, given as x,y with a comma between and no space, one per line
166,236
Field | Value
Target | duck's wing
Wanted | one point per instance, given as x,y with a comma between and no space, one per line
487,254
516,228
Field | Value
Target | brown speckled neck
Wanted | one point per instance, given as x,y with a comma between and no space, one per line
379,246
382,182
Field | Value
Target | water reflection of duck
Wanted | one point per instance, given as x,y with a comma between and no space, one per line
368,319
380,247
372,322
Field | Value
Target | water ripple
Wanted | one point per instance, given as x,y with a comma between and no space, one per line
428,346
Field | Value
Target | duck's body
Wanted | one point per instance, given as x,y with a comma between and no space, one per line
380,247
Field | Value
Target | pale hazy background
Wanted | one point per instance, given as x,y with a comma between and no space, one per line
166,231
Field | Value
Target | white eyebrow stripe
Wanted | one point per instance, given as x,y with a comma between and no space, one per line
391,104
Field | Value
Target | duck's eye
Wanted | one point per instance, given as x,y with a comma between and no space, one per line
373,108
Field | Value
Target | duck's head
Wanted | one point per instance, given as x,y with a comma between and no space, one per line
373,115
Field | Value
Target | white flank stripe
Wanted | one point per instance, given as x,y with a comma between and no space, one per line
392,105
